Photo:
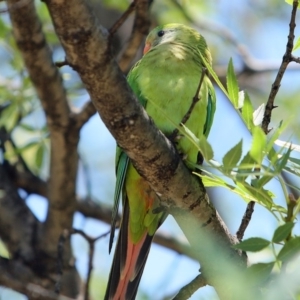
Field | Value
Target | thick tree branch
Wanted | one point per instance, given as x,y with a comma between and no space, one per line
63,134
152,154
18,226
38,61
90,209
19,277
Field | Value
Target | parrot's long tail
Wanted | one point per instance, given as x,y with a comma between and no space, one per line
128,263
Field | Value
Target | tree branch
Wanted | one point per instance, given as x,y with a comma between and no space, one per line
152,154
90,209
17,217
19,277
188,290
140,30
64,135
287,58
87,111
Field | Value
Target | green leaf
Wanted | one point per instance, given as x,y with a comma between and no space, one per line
245,166
27,127
282,162
213,75
258,144
3,250
282,232
232,157
247,112
232,85
205,148
260,195
202,143
263,180
295,160
34,143
253,244
39,156
290,249
297,44
258,273
276,133
258,115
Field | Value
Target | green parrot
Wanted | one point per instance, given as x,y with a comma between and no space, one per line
165,81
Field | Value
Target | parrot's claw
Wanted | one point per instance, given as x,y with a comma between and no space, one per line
184,157
174,137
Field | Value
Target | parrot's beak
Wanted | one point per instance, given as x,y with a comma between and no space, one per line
147,48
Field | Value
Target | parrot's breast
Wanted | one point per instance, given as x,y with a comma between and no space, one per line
169,82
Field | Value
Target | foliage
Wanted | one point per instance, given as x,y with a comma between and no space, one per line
244,171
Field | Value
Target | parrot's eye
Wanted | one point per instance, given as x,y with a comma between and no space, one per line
160,33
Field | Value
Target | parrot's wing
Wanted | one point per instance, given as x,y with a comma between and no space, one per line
122,160
211,107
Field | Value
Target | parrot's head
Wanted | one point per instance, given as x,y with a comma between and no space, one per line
176,33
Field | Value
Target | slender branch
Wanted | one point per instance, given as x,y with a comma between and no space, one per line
60,64
38,61
122,19
19,277
191,108
287,58
91,241
140,30
15,6
85,114
188,290
245,220
295,59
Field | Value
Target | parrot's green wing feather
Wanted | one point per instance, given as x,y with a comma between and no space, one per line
211,108
122,161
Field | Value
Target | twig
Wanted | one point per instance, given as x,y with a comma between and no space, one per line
245,220
140,30
188,290
295,59
122,19
287,58
85,114
91,241
15,6
60,64
190,110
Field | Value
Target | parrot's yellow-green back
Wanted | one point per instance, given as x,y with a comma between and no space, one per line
165,81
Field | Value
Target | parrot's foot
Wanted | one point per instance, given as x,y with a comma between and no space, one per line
174,137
